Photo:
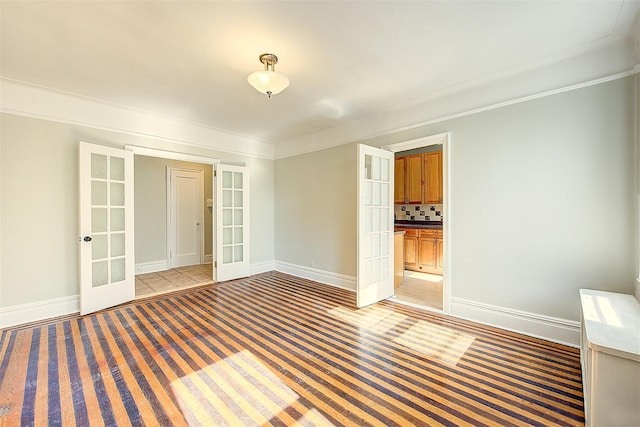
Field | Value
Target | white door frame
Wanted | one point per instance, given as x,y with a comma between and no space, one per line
173,155
171,219
445,140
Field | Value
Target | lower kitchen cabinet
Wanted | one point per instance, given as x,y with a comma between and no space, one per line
410,248
422,250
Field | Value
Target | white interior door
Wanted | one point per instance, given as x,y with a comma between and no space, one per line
232,222
107,275
186,205
375,225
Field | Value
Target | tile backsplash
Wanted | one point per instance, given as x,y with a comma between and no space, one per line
418,212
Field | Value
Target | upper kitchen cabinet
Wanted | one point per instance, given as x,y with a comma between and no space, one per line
399,183
414,178
418,179
432,177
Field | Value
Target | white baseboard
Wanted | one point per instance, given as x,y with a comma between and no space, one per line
152,267
536,325
262,267
34,311
322,276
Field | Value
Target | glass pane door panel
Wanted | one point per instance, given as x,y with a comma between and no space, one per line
237,253
99,273
375,168
227,179
365,246
107,219
384,244
376,194
237,235
227,254
117,168
227,217
367,219
117,270
376,219
384,269
376,245
384,194
237,217
117,219
227,198
237,180
99,193
237,199
98,166
227,236
117,194
117,244
98,220
99,247
385,170
366,193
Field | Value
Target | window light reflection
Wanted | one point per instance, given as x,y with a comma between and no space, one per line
237,390
437,341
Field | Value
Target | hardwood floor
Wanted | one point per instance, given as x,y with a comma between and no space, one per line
279,350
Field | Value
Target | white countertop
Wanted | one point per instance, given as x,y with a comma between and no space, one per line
612,323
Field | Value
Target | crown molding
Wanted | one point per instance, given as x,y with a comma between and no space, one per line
29,100
549,76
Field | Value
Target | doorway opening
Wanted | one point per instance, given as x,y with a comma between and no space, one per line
421,219
174,221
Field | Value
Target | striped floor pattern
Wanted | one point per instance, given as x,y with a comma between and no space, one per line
275,349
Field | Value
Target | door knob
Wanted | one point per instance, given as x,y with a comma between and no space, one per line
87,238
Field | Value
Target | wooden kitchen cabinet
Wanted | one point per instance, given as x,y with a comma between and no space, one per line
427,254
418,179
432,178
414,179
439,254
410,248
399,182
423,250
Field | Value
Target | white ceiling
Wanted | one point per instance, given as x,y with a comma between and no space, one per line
347,60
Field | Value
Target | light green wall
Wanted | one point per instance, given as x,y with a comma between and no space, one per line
542,201
315,210
39,211
151,206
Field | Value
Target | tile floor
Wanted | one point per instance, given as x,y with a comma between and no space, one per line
421,289
149,284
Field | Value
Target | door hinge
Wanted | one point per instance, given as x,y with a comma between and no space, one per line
215,264
215,173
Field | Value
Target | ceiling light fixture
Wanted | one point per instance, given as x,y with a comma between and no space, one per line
268,81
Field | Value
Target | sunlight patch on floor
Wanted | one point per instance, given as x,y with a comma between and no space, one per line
436,278
371,318
238,390
436,341
312,417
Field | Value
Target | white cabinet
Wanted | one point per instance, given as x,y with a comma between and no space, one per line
610,358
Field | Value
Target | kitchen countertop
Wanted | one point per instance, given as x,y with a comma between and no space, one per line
432,225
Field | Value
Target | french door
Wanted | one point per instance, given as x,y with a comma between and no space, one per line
106,239
375,225
232,222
